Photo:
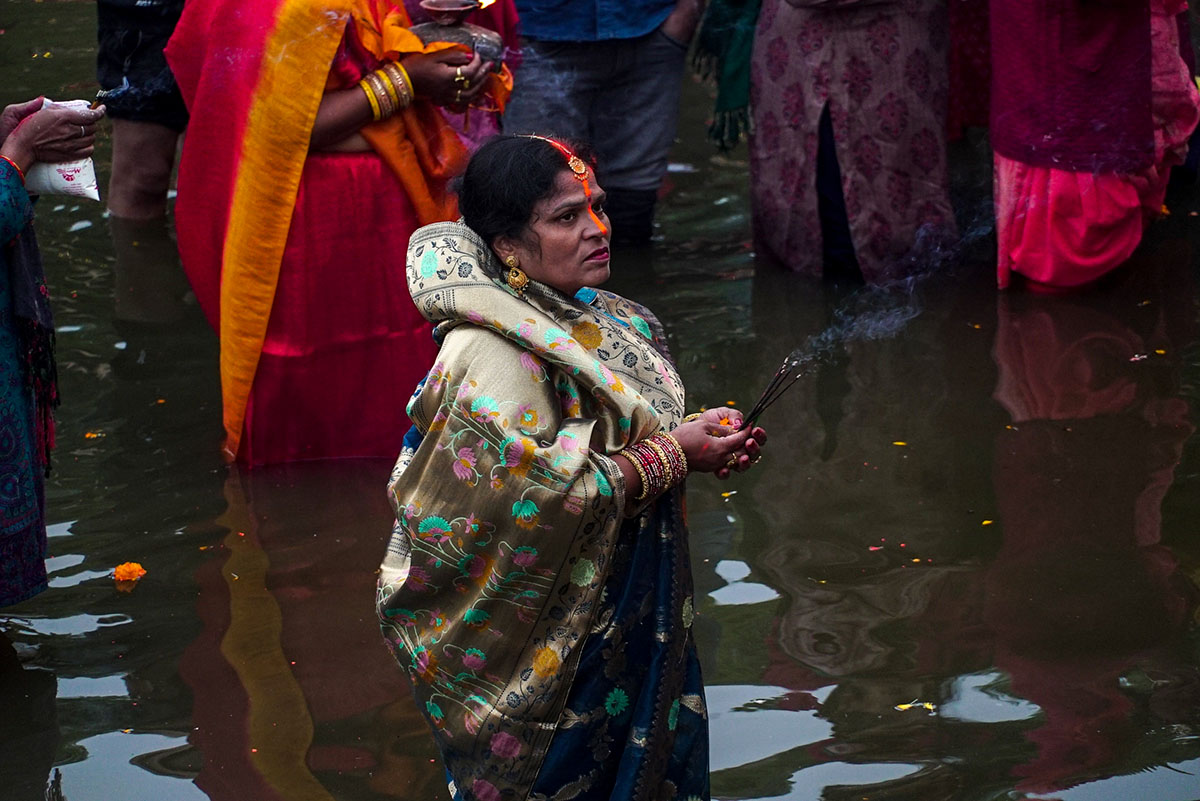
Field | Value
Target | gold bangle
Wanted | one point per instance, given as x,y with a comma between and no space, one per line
396,77
641,471
670,438
376,114
388,86
412,92
386,107
676,469
693,416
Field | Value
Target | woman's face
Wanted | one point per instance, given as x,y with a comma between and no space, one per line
566,242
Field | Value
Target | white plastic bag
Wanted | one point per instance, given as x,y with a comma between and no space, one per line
76,178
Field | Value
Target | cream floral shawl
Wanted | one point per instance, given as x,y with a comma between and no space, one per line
508,511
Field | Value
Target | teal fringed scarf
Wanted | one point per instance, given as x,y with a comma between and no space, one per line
723,50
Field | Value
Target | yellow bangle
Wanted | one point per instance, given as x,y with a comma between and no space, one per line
376,114
386,107
412,92
396,78
693,416
386,79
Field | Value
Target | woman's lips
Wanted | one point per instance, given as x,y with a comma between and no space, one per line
600,254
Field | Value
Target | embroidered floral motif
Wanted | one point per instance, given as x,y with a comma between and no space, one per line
504,745
587,334
616,702
526,513
475,659
546,662
584,573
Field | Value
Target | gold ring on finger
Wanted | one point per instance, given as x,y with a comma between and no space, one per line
732,463
82,131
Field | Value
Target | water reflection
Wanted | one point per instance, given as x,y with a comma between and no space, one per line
29,733
1081,473
295,696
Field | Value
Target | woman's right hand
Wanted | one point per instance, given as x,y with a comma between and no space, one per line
712,441
435,76
53,135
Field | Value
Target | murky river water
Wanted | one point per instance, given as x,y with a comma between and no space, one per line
967,568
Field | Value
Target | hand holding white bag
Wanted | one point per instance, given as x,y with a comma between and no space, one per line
75,178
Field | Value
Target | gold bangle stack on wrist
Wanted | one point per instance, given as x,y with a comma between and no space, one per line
388,90
659,462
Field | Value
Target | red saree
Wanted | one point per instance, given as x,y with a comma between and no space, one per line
297,260
1063,224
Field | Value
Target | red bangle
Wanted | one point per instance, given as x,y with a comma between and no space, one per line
16,167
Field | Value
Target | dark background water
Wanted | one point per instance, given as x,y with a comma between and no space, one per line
993,513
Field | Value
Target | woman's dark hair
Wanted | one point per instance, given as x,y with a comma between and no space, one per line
504,181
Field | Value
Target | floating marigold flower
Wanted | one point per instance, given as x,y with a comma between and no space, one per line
128,571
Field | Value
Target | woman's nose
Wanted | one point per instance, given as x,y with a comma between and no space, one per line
599,227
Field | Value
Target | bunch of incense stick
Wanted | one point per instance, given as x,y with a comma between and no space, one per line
791,371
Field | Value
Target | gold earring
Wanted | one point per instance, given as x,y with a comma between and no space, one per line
516,277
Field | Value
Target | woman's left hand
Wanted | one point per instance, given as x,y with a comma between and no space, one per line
447,77
749,453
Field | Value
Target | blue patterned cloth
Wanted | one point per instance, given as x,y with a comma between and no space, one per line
636,723
22,505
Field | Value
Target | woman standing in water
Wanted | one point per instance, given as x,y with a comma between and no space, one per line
317,145
848,150
537,586
1092,104
28,384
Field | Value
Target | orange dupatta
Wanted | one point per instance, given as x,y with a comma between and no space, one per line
417,144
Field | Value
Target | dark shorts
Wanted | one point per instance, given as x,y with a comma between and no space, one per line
137,84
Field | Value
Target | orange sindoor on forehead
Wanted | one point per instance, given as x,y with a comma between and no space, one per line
579,168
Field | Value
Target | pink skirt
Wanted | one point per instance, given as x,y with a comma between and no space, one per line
1063,229
345,345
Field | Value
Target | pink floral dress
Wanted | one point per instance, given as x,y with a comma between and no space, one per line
881,66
